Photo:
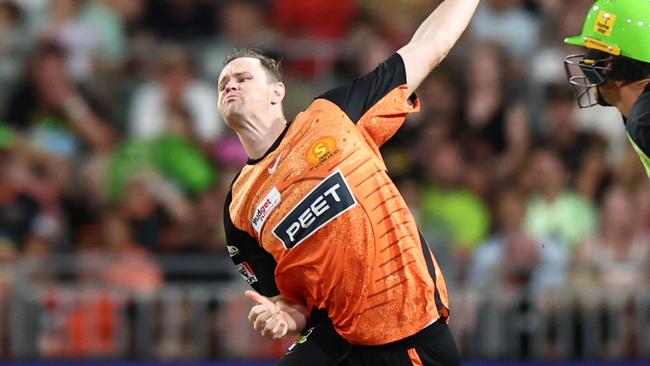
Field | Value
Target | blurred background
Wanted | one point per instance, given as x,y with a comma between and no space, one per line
114,164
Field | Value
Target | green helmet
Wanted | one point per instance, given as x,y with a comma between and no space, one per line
617,27
616,34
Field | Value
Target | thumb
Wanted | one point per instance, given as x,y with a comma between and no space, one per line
256,298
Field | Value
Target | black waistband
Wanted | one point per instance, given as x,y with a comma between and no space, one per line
416,339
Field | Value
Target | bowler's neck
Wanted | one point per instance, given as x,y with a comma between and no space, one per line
257,136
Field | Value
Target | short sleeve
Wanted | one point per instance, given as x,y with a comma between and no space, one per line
255,265
377,102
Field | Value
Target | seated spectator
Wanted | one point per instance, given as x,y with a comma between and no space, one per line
242,25
513,259
312,30
57,115
486,101
172,160
156,104
130,266
615,259
30,219
456,213
110,19
66,26
554,211
13,45
507,22
397,19
180,20
453,218
18,209
563,134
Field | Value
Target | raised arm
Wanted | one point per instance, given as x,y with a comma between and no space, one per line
434,39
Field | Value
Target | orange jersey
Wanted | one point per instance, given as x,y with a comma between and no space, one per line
318,219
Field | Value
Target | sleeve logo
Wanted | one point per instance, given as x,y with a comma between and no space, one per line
264,209
232,250
328,200
247,272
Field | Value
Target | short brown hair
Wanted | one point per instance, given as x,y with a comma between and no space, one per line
271,66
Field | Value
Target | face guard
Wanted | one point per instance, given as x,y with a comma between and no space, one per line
587,72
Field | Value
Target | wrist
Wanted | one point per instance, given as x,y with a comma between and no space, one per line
297,324
295,315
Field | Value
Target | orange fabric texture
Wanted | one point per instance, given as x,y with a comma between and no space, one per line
367,265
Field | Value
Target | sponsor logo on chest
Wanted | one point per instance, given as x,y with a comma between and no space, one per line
321,151
328,200
264,209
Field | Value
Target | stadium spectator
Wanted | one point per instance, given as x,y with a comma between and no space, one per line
450,212
618,254
174,101
13,48
59,116
554,211
242,25
79,37
180,20
512,259
507,22
111,20
312,32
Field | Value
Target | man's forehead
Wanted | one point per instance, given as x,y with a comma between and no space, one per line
242,64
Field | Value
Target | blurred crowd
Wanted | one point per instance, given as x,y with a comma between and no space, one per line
111,144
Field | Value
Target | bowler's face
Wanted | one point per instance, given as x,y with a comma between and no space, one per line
244,89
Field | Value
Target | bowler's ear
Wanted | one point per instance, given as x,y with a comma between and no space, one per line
278,93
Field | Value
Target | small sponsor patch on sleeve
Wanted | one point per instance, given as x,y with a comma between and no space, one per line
232,250
247,272
328,200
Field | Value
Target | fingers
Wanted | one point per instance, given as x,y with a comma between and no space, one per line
270,322
256,298
281,329
266,316
261,313
252,315
262,318
275,327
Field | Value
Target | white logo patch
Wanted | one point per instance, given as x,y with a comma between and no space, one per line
328,200
264,209
233,250
274,167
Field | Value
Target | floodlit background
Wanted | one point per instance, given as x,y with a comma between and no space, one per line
114,165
